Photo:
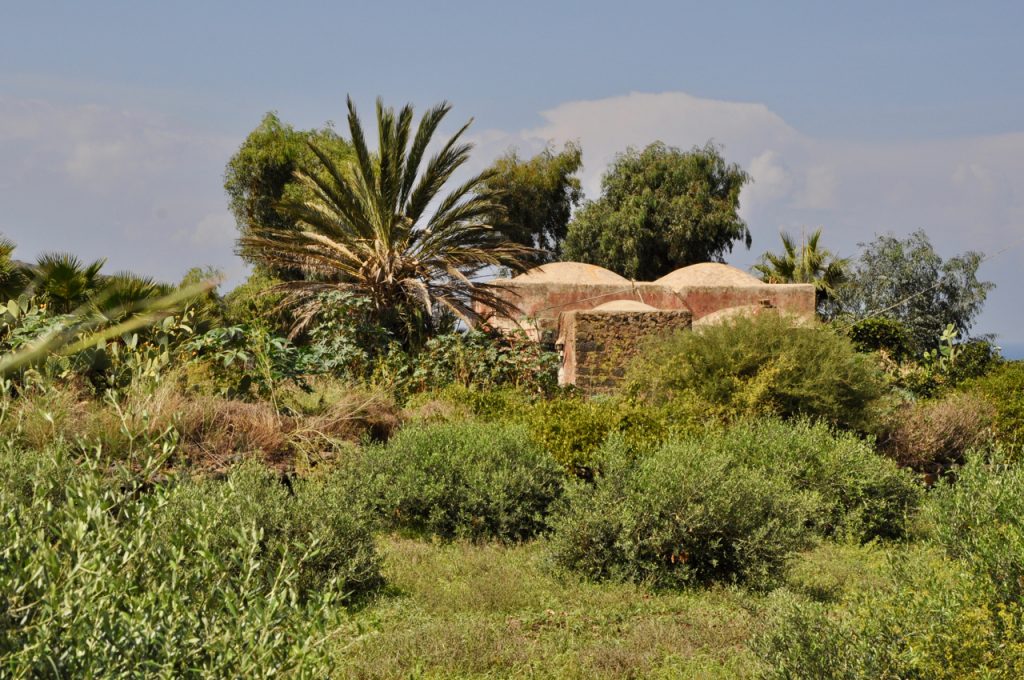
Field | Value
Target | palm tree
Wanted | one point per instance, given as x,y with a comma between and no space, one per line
65,282
806,263
121,294
368,229
13,277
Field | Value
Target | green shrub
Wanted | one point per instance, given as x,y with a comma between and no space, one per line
761,365
952,615
572,429
979,519
469,479
100,578
321,519
934,621
858,493
881,334
485,360
1004,389
682,515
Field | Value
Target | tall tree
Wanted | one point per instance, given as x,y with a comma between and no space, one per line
661,209
906,280
537,197
367,228
806,262
260,176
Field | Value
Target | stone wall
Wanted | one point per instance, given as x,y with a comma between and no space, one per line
599,346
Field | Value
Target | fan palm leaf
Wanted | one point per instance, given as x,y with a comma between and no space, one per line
806,262
65,281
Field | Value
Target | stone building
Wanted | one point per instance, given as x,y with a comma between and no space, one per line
598,319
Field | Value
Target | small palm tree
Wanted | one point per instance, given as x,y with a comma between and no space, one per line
13,276
369,229
65,282
121,294
806,263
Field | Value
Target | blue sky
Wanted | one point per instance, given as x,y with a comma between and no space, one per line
116,118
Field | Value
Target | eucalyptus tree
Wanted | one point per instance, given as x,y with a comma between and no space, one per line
660,209
378,226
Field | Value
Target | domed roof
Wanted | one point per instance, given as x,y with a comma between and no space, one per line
570,272
708,274
624,306
728,314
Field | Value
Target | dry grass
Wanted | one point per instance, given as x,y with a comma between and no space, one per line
929,436
213,432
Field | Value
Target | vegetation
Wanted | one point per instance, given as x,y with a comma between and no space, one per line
261,175
660,209
189,490
806,263
906,280
367,230
536,198
469,480
760,365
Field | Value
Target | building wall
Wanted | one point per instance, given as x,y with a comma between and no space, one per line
599,346
540,304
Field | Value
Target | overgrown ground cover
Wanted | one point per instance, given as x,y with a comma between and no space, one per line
167,515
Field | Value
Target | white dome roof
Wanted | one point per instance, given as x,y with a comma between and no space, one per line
708,274
570,272
624,305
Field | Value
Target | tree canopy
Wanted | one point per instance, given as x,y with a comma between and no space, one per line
661,209
537,197
906,280
807,262
365,228
261,174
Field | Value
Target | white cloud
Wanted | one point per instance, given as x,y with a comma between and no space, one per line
107,182
215,229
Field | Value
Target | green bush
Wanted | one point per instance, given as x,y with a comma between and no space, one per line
322,519
572,429
684,514
858,493
979,519
934,621
881,334
103,578
485,360
468,479
1004,389
761,365
952,615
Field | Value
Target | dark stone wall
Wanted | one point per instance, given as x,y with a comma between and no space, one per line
599,346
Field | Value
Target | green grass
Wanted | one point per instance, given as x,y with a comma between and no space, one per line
465,610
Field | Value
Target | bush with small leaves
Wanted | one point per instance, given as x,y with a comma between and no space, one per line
680,516
859,493
761,365
469,479
111,576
